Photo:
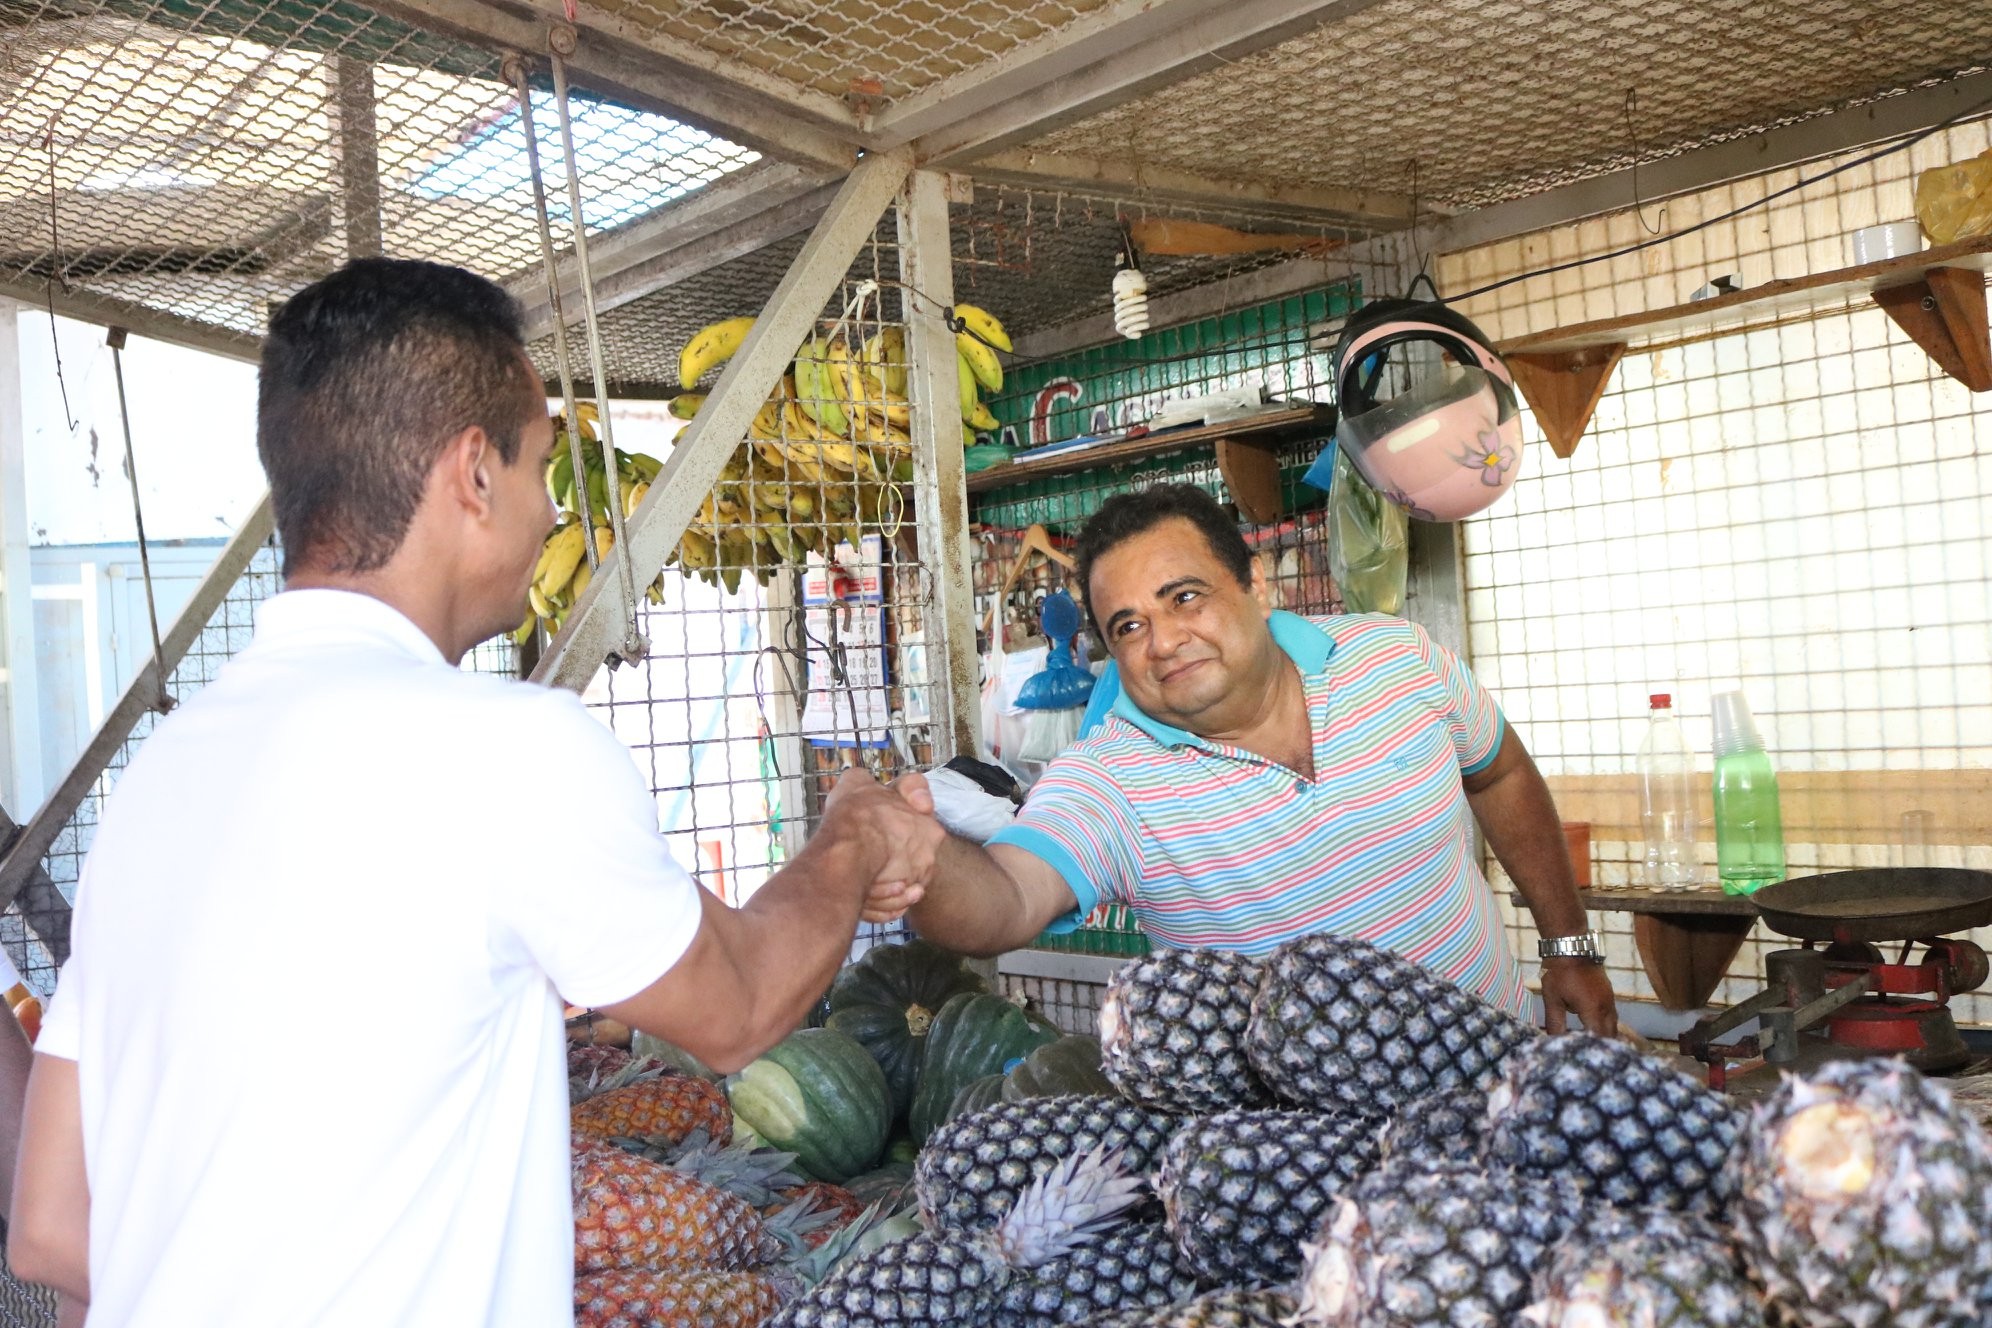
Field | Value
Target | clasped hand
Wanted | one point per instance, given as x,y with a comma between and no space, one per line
898,819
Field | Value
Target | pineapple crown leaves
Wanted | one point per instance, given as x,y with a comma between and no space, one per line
792,1224
754,1173
875,1226
632,1072
1069,1206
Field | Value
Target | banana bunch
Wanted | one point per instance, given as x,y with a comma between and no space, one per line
562,573
824,454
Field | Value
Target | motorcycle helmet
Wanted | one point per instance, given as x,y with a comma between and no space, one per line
1428,411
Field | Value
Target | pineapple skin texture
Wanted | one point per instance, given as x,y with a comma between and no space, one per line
1653,1267
631,1213
1892,1226
672,1106
1230,1308
1340,1025
1172,1031
974,1167
1243,1189
641,1298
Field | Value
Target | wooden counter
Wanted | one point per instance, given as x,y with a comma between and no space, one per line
1687,939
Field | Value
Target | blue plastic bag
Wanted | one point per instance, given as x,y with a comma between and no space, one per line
1057,694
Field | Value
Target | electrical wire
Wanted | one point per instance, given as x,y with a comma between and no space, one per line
1733,213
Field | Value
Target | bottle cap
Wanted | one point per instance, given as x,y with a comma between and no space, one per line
1660,701
1735,730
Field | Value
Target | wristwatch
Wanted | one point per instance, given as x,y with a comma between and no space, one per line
1584,945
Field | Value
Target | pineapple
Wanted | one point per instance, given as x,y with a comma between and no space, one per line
1243,1189
669,1106
644,1298
1446,1129
631,1213
1230,1308
1172,1031
974,1167
959,1277
1134,1265
836,1206
1866,1199
1339,1025
1625,1127
757,1174
1644,1268
1414,1246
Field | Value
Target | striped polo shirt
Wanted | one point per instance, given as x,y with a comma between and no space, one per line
1212,845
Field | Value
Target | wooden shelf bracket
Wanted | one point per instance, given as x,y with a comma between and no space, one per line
1945,314
1563,388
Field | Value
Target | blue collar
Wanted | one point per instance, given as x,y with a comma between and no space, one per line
1305,643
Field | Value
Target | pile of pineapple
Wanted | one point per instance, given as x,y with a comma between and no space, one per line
1332,1137
1329,1137
677,1224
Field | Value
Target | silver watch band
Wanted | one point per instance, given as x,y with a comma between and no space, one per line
1584,945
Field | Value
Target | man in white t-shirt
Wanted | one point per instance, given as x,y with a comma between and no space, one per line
306,1062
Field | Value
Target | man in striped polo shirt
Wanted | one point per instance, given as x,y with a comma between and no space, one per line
1263,775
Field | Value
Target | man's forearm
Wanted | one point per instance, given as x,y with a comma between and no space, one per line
1519,818
807,913
974,905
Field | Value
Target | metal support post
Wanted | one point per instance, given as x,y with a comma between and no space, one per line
20,720
359,155
926,265
693,467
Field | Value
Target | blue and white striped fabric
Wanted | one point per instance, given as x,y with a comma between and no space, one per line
1211,845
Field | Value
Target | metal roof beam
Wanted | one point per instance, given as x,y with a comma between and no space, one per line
1090,65
154,324
1362,208
734,215
651,74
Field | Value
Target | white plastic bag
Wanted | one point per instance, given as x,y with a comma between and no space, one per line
1004,724
966,808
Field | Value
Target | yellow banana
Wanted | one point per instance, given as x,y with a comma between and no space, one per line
590,415
965,380
967,436
767,422
884,357
582,576
817,388
877,399
542,606
605,540
686,405
984,325
654,592
524,631
696,550
711,345
634,498
846,457
982,362
984,419
570,548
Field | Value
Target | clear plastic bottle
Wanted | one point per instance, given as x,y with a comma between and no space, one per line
1667,801
1749,828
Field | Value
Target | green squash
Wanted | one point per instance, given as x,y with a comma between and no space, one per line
977,1094
901,1148
819,1095
887,1032
1069,1065
975,1034
891,1185
917,977
643,1045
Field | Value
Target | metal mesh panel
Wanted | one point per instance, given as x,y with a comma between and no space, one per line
771,670
1468,102
187,157
30,925
1036,258
861,49
1798,509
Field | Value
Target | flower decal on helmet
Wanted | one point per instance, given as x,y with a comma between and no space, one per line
1403,500
1490,457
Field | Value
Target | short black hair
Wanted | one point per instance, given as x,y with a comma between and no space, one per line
1126,515
366,374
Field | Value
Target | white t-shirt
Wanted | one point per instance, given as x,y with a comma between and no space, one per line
312,998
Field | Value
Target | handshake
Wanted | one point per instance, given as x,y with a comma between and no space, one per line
894,828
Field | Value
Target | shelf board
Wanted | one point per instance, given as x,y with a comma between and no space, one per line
1758,304
1273,426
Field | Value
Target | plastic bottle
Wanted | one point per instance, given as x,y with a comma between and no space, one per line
1667,801
1749,830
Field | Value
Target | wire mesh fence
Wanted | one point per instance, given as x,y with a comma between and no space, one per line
206,158
789,631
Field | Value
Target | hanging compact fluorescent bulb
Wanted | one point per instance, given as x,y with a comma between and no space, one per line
1130,291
